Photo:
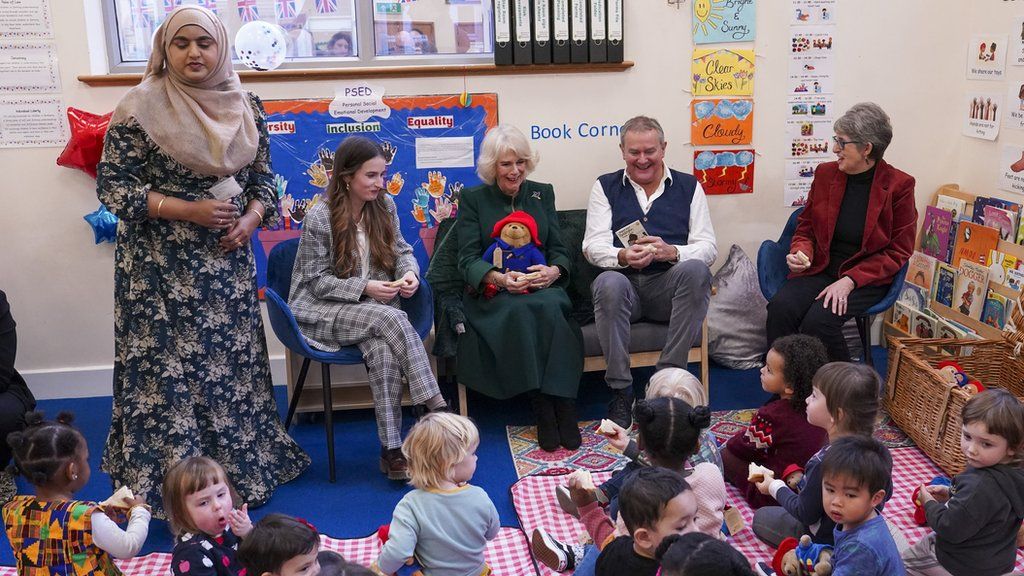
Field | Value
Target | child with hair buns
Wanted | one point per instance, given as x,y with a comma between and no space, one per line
52,532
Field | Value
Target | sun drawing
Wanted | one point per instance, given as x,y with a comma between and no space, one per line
705,13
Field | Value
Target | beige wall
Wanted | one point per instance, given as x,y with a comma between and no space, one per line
907,55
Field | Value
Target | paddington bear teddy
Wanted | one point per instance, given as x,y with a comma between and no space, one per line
516,246
919,517
802,558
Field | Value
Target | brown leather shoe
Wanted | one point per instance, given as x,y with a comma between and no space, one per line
394,464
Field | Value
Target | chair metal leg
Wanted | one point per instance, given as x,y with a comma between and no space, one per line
296,393
864,327
328,418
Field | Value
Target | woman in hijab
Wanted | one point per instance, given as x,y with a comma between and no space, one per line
186,168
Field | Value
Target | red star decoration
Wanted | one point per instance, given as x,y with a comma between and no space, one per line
84,148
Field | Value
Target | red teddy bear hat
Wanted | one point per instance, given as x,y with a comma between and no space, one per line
522,218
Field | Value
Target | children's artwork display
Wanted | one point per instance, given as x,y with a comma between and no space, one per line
986,57
727,122
810,12
1011,168
720,21
982,115
724,171
430,143
723,72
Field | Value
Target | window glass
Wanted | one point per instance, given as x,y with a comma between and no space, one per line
425,27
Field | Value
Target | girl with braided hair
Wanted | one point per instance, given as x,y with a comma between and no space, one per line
54,457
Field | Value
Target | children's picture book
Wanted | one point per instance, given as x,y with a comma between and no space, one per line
998,264
973,243
944,329
913,296
921,270
935,233
1014,279
978,215
901,316
923,325
1003,220
971,287
955,206
945,281
996,310
1020,232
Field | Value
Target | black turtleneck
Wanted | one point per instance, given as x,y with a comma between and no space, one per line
849,232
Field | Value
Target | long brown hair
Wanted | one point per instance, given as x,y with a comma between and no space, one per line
350,156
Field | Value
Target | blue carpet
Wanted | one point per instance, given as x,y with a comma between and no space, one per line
363,499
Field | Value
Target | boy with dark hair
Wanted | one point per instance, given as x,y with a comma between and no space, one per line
855,471
333,564
280,545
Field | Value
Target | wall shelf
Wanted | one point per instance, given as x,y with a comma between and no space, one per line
384,72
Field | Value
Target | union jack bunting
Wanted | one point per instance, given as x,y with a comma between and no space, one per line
285,9
326,6
247,10
145,13
210,5
170,5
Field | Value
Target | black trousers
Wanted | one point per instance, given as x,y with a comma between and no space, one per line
15,397
793,310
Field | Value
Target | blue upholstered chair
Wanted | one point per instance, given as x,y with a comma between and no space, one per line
772,272
420,309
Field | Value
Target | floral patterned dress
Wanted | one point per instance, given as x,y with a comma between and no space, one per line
191,372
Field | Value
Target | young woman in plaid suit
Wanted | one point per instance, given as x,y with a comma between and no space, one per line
350,271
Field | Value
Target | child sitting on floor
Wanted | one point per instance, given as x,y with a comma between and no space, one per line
697,554
976,521
779,434
855,473
200,503
333,564
844,402
445,522
52,532
280,545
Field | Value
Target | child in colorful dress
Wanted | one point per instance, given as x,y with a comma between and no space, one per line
200,504
977,519
779,434
445,523
54,457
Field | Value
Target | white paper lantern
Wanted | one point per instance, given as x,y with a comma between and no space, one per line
261,45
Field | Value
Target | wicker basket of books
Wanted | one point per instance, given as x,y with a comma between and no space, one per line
927,407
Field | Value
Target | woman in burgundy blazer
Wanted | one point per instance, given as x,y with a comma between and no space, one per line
853,236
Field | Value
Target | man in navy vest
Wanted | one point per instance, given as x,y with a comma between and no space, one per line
648,226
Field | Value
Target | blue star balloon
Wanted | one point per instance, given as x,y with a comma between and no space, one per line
104,224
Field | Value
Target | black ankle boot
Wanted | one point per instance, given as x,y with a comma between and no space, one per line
568,425
547,423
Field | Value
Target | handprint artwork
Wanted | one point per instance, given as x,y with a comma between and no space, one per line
394,185
435,183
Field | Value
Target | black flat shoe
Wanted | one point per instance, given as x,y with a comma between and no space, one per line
568,423
547,422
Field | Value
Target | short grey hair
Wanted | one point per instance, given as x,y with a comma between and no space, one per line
641,124
499,140
866,122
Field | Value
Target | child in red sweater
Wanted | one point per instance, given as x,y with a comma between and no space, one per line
779,434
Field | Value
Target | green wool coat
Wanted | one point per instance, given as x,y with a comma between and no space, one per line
516,343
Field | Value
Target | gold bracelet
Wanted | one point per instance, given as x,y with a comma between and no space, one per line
160,205
258,213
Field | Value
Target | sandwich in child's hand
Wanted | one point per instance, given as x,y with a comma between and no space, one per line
529,277
396,283
581,479
123,498
758,473
607,428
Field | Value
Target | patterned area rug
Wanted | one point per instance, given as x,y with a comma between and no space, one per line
597,454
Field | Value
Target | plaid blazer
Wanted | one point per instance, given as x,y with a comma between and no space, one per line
318,297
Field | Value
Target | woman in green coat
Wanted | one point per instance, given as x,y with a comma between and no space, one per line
520,337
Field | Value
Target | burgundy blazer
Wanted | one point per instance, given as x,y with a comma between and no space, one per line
889,230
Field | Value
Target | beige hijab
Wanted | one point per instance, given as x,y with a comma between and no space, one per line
207,126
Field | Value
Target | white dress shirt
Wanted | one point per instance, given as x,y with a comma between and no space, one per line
599,240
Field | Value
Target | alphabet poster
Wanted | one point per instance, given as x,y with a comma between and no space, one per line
986,57
718,21
724,171
981,115
424,138
723,72
716,122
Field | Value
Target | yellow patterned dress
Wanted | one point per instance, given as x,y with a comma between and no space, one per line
54,538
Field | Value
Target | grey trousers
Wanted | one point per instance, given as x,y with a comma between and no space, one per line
679,296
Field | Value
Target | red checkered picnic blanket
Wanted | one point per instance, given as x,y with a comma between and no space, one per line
534,500
508,555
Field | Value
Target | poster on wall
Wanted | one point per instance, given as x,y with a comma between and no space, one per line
36,121
723,72
812,60
717,22
986,57
1013,113
721,121
430,143
25,19
724,171
1015,52
810,106
1011,167
981,115
811,12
